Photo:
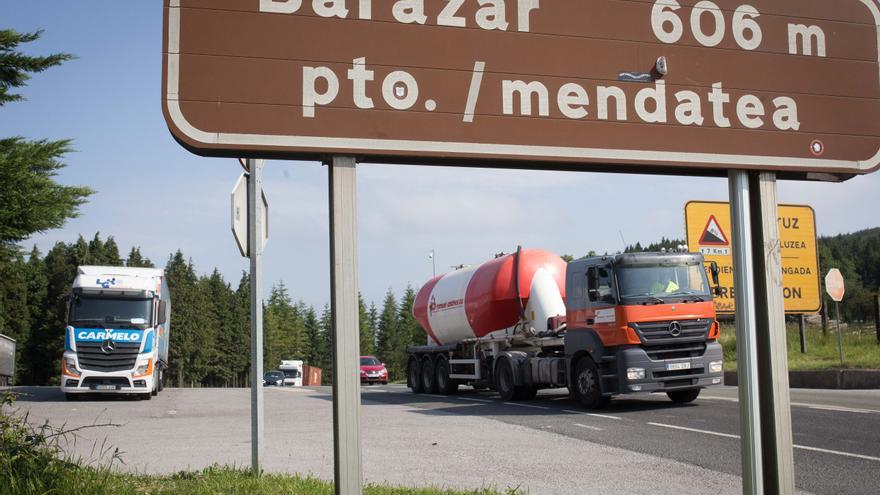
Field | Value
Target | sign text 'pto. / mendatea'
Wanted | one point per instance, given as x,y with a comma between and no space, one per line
764,84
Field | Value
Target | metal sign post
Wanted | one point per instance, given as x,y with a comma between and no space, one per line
256,229
746,352
346,332
772,352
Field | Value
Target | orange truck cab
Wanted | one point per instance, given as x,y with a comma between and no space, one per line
640,322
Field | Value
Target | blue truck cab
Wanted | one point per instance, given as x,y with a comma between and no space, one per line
117,335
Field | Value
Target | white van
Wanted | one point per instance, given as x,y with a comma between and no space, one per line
293,372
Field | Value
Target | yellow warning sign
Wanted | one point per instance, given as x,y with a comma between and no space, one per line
708,231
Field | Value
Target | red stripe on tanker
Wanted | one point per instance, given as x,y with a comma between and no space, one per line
482,300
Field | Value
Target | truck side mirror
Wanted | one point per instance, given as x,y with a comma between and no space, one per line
162,307
713,268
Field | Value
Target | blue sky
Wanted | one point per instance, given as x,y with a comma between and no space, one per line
153,193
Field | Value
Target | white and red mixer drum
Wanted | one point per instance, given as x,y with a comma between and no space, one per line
479,301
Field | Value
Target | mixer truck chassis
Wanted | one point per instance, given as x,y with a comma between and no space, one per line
603,340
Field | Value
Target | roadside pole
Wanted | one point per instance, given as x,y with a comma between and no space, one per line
747,359
255,252
346,335
877,316
839,338
801,329
772,352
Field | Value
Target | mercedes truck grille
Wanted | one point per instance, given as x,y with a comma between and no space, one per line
673,339
121,358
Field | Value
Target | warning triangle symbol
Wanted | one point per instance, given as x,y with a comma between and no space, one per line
712,234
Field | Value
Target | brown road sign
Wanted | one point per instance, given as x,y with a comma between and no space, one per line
834,285
650,85
708,232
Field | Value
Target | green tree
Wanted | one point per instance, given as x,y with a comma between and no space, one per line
386,327
136,259
366,329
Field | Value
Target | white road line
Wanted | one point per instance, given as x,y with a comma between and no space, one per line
526,405
377,391
837,452
728,399
591,414
717,434
802,447
594,428
820,407
435,395
842,409
475,400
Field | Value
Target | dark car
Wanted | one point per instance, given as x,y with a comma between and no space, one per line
373,370
273,378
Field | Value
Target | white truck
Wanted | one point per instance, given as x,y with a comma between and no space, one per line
117,335
293,372
7,360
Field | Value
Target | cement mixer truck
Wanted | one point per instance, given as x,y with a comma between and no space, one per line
600,326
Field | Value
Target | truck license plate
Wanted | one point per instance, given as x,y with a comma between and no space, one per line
678,366
105,387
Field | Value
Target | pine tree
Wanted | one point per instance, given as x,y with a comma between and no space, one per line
365,328
135,259
326,326
240,357
386,328
32,200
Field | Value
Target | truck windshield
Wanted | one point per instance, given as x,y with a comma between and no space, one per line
291,373
106,310
661,283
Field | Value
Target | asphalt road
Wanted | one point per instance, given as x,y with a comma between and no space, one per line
643,444
836,433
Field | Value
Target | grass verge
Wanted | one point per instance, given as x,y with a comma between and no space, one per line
33,462
860,348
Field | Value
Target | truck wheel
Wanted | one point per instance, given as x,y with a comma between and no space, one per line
445,385
684,396
414,375
504,384
161,385
429,381
587,386
146,396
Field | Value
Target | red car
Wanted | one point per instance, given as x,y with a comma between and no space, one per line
373,370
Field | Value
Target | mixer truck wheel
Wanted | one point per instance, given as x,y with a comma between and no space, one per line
504,384
587,387
414,374
429,380
445,385
684,396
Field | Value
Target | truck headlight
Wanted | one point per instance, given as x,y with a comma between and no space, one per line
635,374
68,367
144,369
716,366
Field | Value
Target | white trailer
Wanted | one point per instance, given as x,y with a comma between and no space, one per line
117,338
7,360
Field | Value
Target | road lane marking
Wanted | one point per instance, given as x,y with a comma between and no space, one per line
526,405
380,391
475,400
837,452
594,428
716,433
591,414
842,409
802,447
820,407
